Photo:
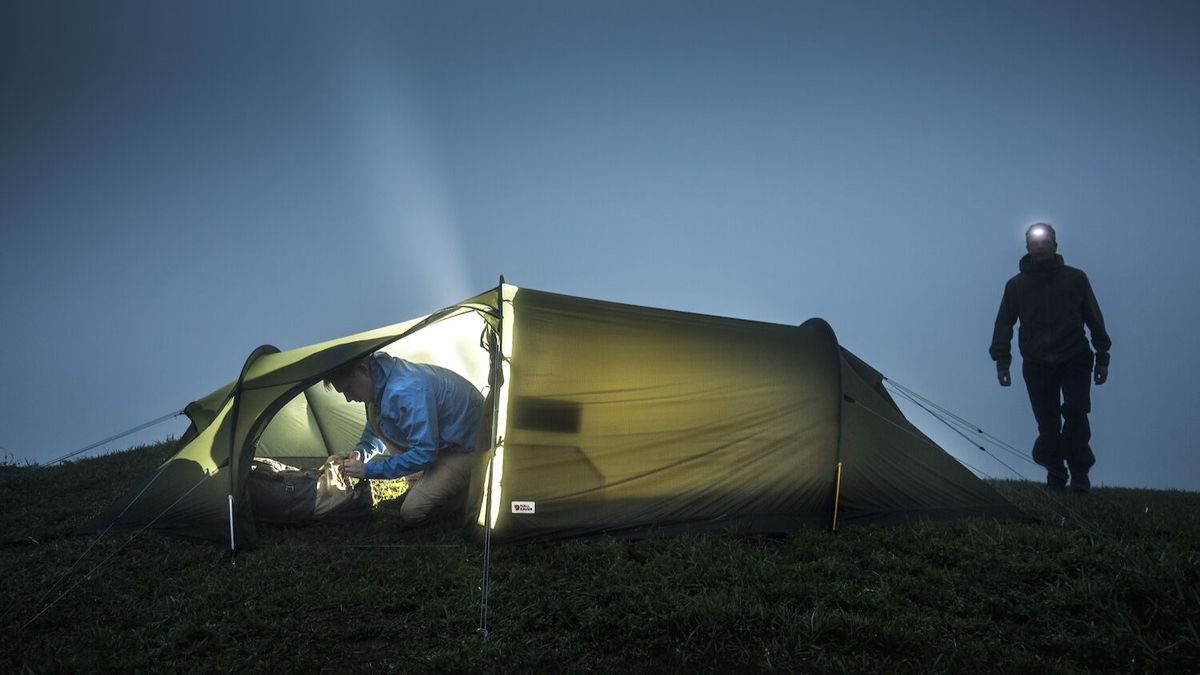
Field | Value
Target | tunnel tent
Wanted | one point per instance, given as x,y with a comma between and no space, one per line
610,418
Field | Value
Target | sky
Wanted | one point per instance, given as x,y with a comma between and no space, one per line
182,182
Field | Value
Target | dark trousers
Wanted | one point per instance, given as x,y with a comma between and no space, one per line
1061,398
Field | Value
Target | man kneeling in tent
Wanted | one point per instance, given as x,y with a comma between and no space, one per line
420,417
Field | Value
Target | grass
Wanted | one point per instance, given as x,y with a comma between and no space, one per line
1109,582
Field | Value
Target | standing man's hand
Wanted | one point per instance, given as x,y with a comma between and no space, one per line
1004,377
1101,375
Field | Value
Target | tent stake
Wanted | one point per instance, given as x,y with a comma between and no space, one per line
232,542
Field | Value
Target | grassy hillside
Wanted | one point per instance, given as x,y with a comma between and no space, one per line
1109,582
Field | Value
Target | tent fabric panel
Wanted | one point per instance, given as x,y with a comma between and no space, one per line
634,418
340,423
453,342
294,435
297,365
204,410
188,495
302,364
891,472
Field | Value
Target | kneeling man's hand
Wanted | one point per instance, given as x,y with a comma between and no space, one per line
1004,377
352,466
1101,375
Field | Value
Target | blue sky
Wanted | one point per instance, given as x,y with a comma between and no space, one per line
181,182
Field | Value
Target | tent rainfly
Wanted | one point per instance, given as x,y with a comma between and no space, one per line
610,418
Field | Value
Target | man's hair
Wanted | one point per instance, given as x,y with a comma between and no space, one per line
342,372
1045,226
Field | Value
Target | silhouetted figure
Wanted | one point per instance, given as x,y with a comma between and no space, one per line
1054,302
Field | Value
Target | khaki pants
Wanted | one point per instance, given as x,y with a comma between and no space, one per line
440,489
444,484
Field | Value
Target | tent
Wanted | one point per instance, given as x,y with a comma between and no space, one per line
609,418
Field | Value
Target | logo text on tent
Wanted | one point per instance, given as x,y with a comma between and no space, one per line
523,507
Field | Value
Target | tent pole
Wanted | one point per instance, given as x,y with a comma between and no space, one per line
236,395
497,375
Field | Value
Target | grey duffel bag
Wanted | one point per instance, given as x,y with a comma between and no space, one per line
287,495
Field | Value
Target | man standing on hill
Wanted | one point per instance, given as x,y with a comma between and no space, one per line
420,417
1054,302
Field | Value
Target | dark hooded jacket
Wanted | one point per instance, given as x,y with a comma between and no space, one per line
1053,302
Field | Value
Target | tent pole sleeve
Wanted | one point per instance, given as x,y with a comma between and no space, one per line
837,495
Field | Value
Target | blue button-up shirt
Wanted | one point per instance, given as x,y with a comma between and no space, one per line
420,410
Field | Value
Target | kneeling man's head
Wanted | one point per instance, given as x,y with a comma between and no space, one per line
352,380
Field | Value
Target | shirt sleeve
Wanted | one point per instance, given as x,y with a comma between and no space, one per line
1001,349
1101,342
369,445
412,416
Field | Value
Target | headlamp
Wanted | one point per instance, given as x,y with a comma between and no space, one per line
1037,233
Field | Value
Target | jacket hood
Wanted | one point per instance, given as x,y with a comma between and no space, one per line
1027,264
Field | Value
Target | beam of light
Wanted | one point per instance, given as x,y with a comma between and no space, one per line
407,199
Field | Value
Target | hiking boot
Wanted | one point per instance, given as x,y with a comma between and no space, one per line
1080,484
1056,481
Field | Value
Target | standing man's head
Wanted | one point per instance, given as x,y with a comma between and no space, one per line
353,380
1040,242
